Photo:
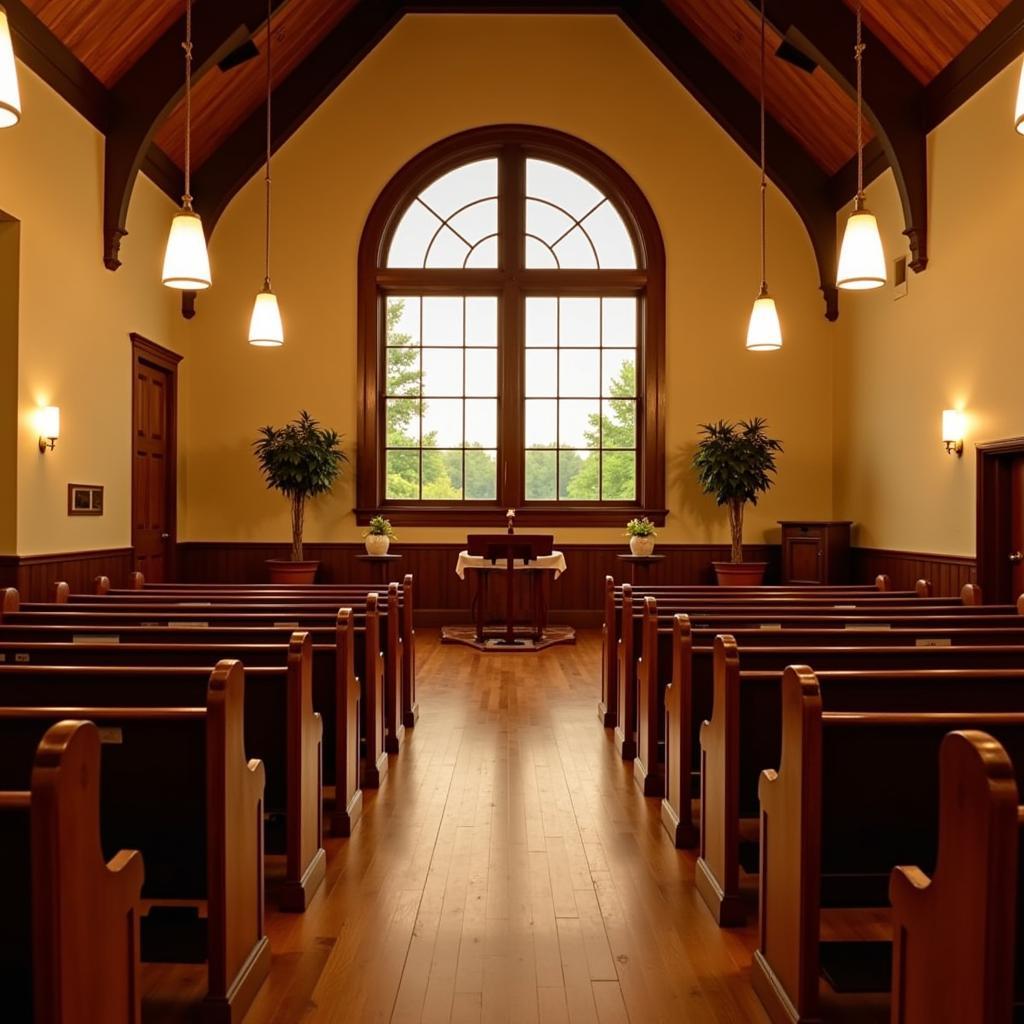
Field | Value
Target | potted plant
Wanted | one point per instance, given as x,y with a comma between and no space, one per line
379,536
641,536
735,463
301,460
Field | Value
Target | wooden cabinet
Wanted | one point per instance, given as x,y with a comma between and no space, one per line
815,551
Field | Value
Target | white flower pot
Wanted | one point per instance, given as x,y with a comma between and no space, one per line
641,546
377,544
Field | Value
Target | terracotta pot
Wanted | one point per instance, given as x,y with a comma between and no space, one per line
377,543
282,571
740,574
641,546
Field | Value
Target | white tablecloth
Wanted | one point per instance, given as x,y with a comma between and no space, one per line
555,562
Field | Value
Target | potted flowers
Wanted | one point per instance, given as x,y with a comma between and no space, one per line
301,460
735,463
641,536
379,536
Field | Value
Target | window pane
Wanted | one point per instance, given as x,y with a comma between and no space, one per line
482,320
541,323
442,423
442,475
442,371
608,232
618,372
482,422
403,475
403,422
403,321
446,249
403,371
546,222
579,372
561,186
412,236
481,371
539,255
576,251
579,423
618,423
478,180
619,323
577,475
540,475
484,254
580,322
541,372
618,476
442,321
481,475
476,221
541,422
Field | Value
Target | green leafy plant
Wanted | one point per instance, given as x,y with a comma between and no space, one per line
735,462
380,527
640,528
301,460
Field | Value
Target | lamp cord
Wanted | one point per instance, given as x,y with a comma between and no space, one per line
186,199
266,248
858,54
764,176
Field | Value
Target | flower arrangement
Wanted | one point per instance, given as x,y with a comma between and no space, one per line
380,527
640,528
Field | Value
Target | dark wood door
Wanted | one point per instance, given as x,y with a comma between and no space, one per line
1016,553
154,457
804,560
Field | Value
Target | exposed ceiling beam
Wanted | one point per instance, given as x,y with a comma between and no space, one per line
150,89
893,100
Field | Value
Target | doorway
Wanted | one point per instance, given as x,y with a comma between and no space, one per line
154,459
1000,527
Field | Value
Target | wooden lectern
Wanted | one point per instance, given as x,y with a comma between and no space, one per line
510,548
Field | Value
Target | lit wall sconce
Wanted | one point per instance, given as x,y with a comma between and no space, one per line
49,427
953,431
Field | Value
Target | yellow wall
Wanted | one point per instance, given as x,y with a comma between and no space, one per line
437,75
75,317
955,339
10,231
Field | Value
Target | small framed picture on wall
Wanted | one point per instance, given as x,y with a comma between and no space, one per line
85,500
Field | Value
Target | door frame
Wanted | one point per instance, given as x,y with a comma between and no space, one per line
161,359
993,526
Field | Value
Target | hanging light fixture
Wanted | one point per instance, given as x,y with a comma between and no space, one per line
186,261
1018,117
265,327
764,332
861,258
10,95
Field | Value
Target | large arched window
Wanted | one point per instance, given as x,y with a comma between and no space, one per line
511,322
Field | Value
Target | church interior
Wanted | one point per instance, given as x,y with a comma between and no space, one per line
513,511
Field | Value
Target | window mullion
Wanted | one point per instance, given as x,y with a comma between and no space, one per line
511,226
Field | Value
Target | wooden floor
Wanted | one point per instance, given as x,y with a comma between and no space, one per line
508,870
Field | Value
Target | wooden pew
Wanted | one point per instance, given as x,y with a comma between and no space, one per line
69,932
834,822
197,821
281,728
744,733
953,932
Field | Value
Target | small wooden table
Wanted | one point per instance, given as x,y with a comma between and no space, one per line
641,562
379,566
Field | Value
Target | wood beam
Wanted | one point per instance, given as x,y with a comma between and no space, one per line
893,100
147,93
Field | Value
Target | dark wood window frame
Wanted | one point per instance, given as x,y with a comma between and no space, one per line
513,144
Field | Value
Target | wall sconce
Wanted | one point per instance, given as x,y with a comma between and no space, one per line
953,431
49,427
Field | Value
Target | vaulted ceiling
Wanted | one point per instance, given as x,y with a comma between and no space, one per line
120,62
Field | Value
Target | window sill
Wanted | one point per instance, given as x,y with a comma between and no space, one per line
494,515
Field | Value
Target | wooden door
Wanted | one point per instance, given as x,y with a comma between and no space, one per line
1016,553
804,556
154,458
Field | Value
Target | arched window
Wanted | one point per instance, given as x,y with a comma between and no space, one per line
511,323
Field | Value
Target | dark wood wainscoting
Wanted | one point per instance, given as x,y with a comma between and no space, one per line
575,598
35,575
948,573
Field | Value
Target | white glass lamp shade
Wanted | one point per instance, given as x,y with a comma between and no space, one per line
952,425
10,95
1018,116
186,261
861,258
265,327
49,422
764,332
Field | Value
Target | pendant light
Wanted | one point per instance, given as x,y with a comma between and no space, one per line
10,95
186,261
265,327
1018,117
861,258
764,333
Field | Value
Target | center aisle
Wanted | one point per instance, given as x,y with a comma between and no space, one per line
508,870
